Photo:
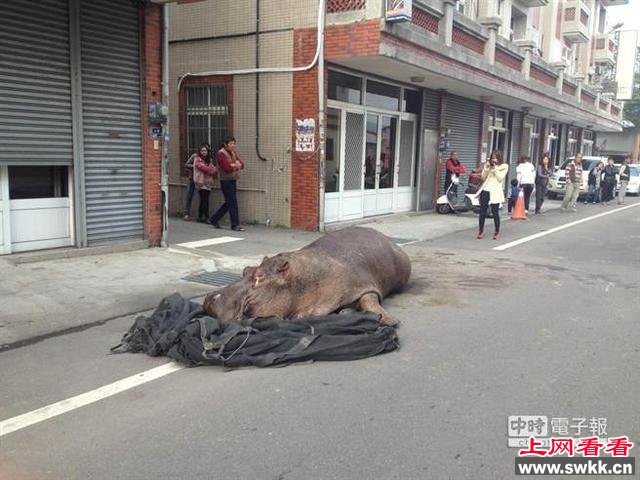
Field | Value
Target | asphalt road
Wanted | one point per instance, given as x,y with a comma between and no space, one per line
550,327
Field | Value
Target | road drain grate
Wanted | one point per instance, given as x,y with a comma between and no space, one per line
216,279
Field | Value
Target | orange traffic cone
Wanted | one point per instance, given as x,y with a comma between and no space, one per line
518,209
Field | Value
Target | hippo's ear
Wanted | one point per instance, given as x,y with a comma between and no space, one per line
249,271
283,265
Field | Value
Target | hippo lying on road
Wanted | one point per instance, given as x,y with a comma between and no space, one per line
354,267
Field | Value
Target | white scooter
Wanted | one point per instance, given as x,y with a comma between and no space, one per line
448,202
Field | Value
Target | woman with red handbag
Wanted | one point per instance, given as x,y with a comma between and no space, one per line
204,172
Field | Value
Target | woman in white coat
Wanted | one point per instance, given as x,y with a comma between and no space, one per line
491,192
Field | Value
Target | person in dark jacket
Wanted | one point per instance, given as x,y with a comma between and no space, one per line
229,164
542,180
608,181
595,176
514,191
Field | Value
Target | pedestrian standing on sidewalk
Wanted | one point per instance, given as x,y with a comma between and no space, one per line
491,192
542,180
190,188
204,172
608,181
624,175
453,167
595,176
573,175
526,175
230,166
514,191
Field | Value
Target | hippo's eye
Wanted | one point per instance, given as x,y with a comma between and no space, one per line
216,297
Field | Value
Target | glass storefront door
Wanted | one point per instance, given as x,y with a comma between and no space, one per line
371,147
370,163
380,163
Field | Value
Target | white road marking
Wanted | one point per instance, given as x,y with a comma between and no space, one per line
561,227
41,414
183,252
209,241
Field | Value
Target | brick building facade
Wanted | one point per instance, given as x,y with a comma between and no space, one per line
399,96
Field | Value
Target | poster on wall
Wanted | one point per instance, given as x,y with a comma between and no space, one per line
398,10
305,135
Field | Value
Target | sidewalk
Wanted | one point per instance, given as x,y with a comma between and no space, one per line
47,296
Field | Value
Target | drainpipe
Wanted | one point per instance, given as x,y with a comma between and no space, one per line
164,179
268,178
258,82
321,117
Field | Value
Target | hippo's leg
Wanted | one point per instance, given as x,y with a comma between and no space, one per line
370,303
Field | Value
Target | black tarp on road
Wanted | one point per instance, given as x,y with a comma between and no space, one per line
180,329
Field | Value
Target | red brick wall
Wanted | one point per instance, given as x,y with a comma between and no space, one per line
468,41
362,38
588,99
584,18
424,20
542,76
568,89
508,60
151,74
304,165
357,39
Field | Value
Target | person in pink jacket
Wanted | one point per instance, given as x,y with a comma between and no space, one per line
204,173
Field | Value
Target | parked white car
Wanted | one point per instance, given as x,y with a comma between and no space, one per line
557,181
634,181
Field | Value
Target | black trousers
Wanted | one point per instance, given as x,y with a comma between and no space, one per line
495,210
230,204
527,188
607,191
203,208
541,191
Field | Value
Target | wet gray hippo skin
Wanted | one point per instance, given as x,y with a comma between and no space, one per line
354,267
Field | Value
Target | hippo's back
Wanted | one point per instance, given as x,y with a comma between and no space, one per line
367,252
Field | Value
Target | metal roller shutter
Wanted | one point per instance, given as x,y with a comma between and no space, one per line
430,109
111,120
35,83
516,135
462,117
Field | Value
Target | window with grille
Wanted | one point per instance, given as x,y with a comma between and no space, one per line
207,116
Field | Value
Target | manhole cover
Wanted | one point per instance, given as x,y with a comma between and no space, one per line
216,279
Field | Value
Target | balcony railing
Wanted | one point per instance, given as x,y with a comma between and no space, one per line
535,3
529,35
604,50
335,6
614,3
575,21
